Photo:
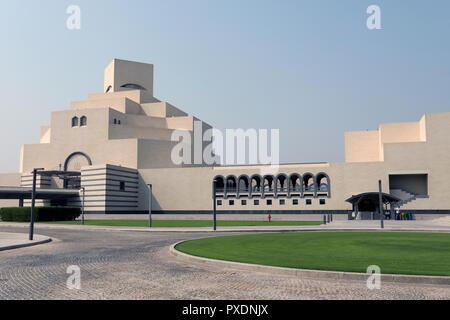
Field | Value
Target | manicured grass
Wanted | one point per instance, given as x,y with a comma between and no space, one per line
396,253
187,223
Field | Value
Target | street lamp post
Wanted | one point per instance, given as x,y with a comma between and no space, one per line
83,189
380,199
214,206
33,197
150,205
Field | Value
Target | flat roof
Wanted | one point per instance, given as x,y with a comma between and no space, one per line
269,166
43,194
374,196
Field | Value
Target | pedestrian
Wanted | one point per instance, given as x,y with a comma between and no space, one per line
269,217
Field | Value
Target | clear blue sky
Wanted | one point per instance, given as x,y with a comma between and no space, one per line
310,68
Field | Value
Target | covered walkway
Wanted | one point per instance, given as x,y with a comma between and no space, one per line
22,193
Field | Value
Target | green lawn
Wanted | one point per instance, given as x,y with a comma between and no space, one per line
187,223
396,253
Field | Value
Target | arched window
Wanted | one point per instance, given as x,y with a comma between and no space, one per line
268,184
295,183
83,121
133,86
243,183
115,121
256,183
76,161
282,182
308,182
323,183
231,184
220,184
75,122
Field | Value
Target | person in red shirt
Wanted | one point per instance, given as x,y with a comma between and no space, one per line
269,217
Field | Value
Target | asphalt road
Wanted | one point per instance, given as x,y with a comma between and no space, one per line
137,265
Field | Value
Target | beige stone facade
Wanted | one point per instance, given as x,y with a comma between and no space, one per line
121,140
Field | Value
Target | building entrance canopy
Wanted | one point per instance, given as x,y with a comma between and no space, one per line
373,196
370,202
22,193
44,194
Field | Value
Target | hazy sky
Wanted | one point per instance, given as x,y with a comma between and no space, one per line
310,68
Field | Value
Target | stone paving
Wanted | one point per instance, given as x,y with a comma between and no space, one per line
137,265
10,240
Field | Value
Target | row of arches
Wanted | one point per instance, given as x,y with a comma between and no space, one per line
79,122
307,184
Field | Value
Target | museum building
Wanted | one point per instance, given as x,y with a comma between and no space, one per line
116,143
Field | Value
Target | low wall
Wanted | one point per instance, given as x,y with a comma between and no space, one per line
250,217
222,216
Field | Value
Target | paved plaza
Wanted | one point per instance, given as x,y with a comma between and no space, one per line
138,265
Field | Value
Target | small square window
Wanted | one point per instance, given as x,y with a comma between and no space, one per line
256,202
308,202
244,202
269,202
322,201
282,202
231,203
219,202
122,186
295,202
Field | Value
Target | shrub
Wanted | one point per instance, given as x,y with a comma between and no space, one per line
23,214
20,214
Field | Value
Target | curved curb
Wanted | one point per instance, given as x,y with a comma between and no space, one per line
24,245
280,229
316,274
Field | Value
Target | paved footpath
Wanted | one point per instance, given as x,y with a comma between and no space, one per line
138,265
10,241
418,226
